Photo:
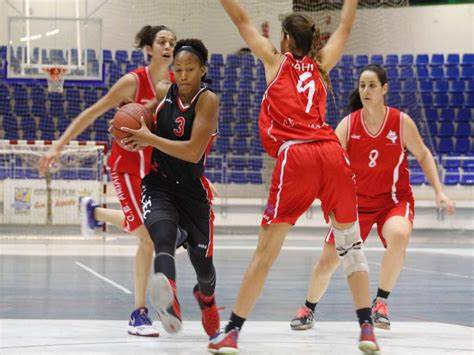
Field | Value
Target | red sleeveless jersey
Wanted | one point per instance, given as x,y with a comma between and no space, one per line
135,163
294,106
379,161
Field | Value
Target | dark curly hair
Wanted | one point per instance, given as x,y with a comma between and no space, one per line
194,46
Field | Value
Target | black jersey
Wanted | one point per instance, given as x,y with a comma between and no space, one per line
174,121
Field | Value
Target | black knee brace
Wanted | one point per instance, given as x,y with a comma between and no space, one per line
205,272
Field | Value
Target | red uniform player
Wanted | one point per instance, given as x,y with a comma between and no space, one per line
377,139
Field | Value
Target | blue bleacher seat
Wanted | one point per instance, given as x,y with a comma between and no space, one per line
441,100
467,72
451,160
347,61
445,145
237,177
433,127
417,178
392,73
427,99
254,177
391,60
470,85
217,59
395,85
233,60
247,60
422,60
361,61
422,72
462,146
464,115
405,73
456,100
376,59
437,60
393,98
3,52
446,129
467,178
452,73
441,85
468,59
452,60
431,114
447,115
426,86
138,57
463,130
436,72
237,163
121,56
470,100
451,176
223,145
406,60
457,86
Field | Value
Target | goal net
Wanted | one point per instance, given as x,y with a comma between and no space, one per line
27,198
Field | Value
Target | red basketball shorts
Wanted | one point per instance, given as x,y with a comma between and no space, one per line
129,190
368,219
308,171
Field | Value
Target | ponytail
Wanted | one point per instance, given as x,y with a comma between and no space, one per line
355,103
146,36
315,53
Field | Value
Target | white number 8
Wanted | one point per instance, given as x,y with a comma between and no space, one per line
309,86
373,155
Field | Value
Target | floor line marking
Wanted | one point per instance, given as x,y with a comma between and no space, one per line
431,272
95,273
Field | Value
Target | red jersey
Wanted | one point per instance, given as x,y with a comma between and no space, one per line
379,161
294,106
135,163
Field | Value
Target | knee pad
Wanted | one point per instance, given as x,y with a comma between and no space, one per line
349,249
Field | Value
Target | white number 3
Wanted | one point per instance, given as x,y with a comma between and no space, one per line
373,155
309,86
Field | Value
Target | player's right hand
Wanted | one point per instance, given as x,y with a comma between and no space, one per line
47,160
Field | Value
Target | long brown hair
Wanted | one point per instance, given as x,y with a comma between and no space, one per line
355,103
304,39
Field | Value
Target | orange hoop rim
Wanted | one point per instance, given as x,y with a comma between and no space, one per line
55,72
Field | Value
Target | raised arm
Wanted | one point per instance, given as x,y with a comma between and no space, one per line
204,126
332,51
259,45
414,143
122,91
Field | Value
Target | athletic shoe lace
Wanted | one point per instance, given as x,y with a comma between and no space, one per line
381,308
144,318
303,312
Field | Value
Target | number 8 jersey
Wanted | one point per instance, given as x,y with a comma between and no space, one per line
379,160
294,106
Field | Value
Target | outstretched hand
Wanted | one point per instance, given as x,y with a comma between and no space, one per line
138,139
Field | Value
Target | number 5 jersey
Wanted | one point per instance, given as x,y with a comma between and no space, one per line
294,106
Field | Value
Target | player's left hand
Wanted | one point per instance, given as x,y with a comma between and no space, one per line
138,139
443,202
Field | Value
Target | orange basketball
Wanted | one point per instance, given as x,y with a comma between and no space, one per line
129,116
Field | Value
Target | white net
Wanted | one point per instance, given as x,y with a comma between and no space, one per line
30,199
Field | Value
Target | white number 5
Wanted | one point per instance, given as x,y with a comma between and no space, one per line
309,86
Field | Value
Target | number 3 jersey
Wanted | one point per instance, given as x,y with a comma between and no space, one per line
294,106
174,121
379,160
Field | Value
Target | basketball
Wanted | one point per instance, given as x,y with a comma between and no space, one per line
129,116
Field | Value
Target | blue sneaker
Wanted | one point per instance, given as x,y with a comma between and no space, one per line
141,325
88,221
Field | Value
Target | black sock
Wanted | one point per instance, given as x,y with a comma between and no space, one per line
234,322
310,305
364,315
382,293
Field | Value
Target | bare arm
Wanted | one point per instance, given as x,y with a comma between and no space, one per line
414,143
122,91
259,45
332,51
204,126
341,131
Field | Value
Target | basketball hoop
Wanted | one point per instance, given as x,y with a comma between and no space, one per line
55,76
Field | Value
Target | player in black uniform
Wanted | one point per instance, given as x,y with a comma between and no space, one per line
175,192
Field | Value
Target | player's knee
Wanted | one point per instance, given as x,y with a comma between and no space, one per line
398,242
163,234
326,265
349,249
